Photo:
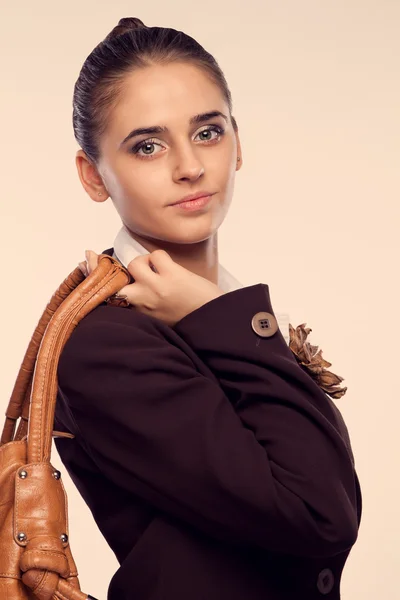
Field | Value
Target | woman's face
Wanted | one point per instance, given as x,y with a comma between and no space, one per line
146,173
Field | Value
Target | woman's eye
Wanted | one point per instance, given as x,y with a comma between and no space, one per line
212,129
148,145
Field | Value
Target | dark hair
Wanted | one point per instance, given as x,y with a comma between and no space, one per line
130,45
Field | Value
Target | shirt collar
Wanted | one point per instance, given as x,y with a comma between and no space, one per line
126,248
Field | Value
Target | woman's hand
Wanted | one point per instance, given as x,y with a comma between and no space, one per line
169,293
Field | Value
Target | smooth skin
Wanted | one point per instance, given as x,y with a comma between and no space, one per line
182,246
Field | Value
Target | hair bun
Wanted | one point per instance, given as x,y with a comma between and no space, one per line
124,25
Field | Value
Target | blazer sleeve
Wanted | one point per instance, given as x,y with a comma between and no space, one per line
257,456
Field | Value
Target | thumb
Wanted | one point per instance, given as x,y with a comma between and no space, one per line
123,297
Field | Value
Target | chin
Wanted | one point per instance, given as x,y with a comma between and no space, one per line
201,227
198,232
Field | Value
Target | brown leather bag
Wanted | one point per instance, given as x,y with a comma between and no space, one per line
35,555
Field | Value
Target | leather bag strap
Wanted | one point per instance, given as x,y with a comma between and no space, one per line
36,384
20,398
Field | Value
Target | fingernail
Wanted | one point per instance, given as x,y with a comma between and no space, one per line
83,268
87,254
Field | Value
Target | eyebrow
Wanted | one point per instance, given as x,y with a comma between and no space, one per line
163,129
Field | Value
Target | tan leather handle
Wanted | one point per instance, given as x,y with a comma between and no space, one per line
65,590
47,584
36,379
21,393
107,279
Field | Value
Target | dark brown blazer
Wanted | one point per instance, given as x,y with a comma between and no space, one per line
213,464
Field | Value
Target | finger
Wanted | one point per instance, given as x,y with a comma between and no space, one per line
133,292
162,261
142,270
92,260
83,268
158,262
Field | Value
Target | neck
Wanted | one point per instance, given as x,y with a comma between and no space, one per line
200,258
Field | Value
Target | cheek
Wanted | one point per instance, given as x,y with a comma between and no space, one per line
139,177
225,173
143,196
225,165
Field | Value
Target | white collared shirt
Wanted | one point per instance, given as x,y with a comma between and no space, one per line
126,248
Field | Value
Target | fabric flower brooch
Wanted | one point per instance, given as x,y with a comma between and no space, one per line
310,359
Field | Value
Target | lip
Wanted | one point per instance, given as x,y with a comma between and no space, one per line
191,197
196,205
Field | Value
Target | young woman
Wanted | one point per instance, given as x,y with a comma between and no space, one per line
214,465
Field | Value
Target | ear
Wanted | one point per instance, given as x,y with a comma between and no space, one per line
90,178
239,163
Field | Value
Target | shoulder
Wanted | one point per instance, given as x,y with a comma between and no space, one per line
107,324
120,340
114,351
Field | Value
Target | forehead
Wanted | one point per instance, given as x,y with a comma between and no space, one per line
164,95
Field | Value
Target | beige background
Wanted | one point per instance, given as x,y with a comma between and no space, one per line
316,92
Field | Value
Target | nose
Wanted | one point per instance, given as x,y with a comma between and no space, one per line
188,166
